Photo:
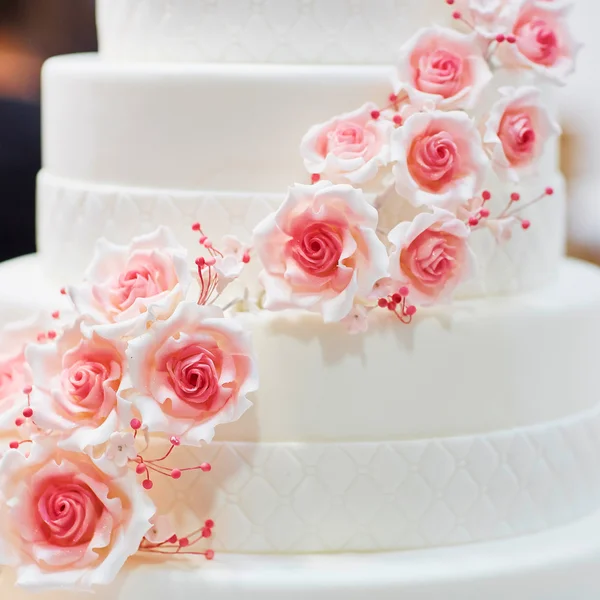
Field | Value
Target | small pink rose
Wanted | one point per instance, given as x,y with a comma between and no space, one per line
431,255
351,148
440,160
77,381
65,523
320,250
124,281
191,373
544,42
517,130
444,67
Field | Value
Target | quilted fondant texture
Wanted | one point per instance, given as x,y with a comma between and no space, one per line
312,497
277,31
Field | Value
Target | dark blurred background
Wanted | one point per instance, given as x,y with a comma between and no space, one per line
30,32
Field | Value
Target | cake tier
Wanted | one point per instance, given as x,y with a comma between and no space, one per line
247,31
561,564
404,437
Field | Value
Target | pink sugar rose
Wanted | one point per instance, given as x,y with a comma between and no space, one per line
320,250
544,42
191,372
517,130
123,281
350,148
76,387
15,373
64,522
443,67
431,255
440,160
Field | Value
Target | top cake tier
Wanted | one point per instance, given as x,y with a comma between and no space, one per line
261,31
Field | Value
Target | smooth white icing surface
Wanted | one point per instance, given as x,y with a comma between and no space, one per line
275,31
559,564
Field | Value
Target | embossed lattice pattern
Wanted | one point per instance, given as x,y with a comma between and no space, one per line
72,216
276,31
393,495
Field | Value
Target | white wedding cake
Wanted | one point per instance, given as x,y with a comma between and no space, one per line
377,379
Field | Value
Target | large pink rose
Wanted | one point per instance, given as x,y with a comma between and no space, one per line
76,386
320,250
349,148
64,522
517,130
430,255
440,160
15,373
443,67
123,281
544,42
191,373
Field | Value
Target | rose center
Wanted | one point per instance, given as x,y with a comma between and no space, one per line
539,42
433,160
194,375
440,72
318,249
140,282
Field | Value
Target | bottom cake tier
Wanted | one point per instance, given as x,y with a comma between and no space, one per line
559,564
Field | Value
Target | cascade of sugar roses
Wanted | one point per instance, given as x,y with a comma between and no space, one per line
95,402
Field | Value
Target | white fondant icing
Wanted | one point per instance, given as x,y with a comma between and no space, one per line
279,31
558,564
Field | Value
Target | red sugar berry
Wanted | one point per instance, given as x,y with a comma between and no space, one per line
375,114
52,335
184,542
392,306
486,195
514,197
203,239
449,2
206,532
19,422
196,227
403,291
456,15
382,303
393,97
246,258
411,310
315,177
135,424
172,539
147,484
211,261
56,314
484,212
63,291
206,467
27,390
209,554
14,445
209,523
549,191
525,224
176,474
398,120
473,221
511,39
175,440
200,261
140,469
397,298
28,412
500,38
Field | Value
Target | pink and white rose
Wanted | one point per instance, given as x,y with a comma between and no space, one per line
191,373
320,250
64,522
15,374
122,282
544,42
77,380
517,130
489,17
440,159
431,255
350,148
443,67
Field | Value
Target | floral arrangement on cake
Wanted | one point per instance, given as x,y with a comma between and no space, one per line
95,405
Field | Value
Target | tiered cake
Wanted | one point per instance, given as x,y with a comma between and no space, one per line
425,420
